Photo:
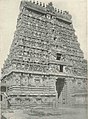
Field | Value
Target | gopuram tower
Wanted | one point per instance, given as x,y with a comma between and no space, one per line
45,64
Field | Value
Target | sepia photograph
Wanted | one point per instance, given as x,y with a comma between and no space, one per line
43,59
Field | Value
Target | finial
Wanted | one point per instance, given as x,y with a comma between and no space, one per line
34,1
61,11
66,12
30,1
43,4
55,9
40,3
37,3
58,10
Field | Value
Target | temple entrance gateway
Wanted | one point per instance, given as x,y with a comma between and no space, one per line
59,85
44,50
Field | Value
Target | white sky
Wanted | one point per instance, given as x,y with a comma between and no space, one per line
9,10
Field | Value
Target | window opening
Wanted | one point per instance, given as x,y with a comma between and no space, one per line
58,56
0,97
61,68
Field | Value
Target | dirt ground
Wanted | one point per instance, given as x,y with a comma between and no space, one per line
59,113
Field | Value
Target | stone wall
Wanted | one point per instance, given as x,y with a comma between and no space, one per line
44,49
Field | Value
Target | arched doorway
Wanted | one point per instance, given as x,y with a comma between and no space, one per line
59,85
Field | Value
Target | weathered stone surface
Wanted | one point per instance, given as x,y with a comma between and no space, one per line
44,52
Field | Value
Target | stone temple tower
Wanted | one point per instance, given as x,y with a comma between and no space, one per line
45,64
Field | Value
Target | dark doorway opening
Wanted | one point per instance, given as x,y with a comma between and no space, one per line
59,85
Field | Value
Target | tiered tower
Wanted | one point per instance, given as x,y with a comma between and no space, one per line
45,63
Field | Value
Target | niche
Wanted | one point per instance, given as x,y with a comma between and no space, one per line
58,56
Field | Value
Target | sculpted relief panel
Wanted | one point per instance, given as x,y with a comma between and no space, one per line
44,48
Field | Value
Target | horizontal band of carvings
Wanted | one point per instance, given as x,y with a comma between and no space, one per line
80,94
34,95
60,62
31,88
60,74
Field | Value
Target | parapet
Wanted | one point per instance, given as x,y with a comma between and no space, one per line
46,9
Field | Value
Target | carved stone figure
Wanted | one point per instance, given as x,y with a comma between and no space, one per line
45,62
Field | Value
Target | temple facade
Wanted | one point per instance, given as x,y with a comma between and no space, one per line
45,65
